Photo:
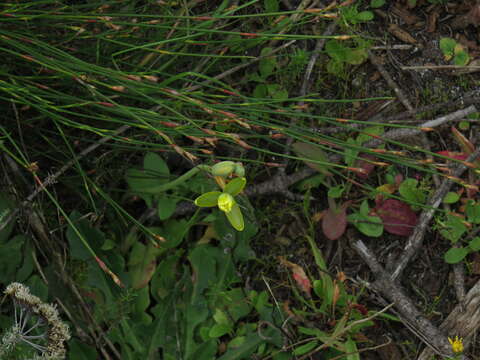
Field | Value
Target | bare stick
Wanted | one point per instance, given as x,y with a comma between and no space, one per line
463,321
402,133
415,240
421,326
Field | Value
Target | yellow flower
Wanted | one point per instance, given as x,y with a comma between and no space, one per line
457,344
226,202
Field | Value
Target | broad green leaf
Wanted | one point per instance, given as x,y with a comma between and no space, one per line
5,208
455,255
218,330
235,186
155,164
451,198
305,348
410,191
368,225
277,92
208,199
93,236
248,346
461,59
166,207
221,317
271,5
336,191
81,351
352,350
11,258
335,67
474,244
356,56
267,64
453,228
236,218
377,3
364,16
336,50
313,152
473,212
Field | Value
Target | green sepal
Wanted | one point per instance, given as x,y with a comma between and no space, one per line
208,199
235,186
236,218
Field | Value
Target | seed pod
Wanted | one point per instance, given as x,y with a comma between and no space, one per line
223,168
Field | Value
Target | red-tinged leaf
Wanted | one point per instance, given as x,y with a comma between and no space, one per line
453,155
334,223
361,308
398,217
298,275
364,163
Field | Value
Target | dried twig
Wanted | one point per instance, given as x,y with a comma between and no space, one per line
415,241
389,289
463,321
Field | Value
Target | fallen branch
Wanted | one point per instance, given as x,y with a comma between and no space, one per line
412,318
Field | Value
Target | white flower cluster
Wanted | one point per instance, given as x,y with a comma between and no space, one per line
57,331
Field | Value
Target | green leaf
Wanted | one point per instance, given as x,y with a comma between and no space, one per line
368,225
336,50
267,64
473,212
351,349
81,351
474,244
271,5
356,56
364,16
336,191
303,349
235,186
455,255
313,152
236,218
453,228
94,237
277,92
335,67
364,208
377,3
208,199
451,198
260,91
218,330
461,58
11,257
166,207
221,317
410,192
155,164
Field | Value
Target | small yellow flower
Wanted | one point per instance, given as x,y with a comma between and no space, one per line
226,202
457,344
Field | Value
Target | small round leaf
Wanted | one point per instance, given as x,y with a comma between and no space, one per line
455,255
